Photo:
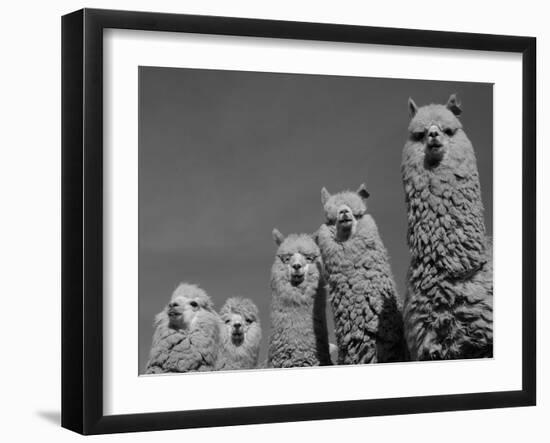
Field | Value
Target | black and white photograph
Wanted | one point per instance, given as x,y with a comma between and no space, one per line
275,221
294,220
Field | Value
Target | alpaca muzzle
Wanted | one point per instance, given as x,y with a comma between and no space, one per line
237,337
174,313
297,277
434,138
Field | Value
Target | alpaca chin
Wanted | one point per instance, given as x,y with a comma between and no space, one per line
175,321
433,156
237,338
297,279
345,229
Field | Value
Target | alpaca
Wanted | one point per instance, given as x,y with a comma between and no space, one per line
448,310
240,336
367,318
299,335
187,333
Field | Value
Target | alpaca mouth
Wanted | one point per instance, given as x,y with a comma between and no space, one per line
434,145
346,221
174,314
237,338
345,225
434,154
296,279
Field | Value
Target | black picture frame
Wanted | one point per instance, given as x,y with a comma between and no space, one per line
82,220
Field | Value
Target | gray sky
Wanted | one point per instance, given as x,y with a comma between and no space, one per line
226,156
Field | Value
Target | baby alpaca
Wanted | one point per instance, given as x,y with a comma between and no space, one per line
299,335
367,320
241,335
187,333
448,308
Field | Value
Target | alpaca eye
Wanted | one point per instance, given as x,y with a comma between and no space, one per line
418,135
358,216
285,258
248,321
227,321
194,304
449,132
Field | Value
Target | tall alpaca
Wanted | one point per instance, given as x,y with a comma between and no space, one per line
241,335
448,308
299,335
367,320
187,333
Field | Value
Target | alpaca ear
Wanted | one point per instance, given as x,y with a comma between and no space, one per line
278,237
453,105
413,109
325,195
362,191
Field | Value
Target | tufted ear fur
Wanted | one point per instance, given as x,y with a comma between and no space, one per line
325,195
453,105
278,237
413,109
362,191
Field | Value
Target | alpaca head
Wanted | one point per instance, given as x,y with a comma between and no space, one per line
298,259
241,322
186,305
435,133
344,209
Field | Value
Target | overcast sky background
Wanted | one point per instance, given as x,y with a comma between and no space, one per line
226,156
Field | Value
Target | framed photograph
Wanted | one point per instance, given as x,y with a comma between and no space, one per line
268,221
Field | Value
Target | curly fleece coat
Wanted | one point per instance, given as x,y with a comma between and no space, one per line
299,335
368,323
448,307
241,335
187,333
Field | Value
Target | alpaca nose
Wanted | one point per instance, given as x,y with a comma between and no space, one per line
297,266
172,304
433,132
237,325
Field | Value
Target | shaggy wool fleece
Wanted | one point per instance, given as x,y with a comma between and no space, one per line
187,333
368,322
240,336
299,335
448,307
